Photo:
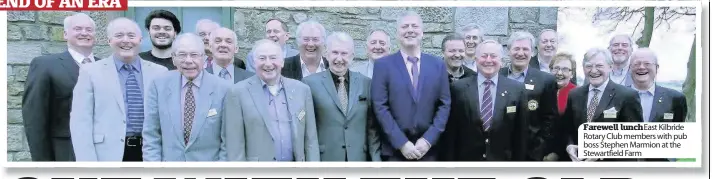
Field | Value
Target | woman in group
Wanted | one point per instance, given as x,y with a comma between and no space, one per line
562,66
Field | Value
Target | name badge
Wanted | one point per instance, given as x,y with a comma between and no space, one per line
668,116
610,113
529,86
212,112
511,109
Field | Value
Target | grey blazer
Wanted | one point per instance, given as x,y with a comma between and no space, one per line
245,116
98,117
163,123
350,137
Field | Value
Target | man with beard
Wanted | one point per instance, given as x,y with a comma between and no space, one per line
454,51
48,91
162,26
411,96
378,45
621,46
540,90
108,106
223,44
347,130
473,35
310,60
277,31
488,120
660,104
599,100
270,117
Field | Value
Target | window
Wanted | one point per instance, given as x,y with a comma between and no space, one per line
188,17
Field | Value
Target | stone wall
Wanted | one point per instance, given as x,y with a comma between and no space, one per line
31,34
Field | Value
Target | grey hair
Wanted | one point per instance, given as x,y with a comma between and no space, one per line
591,53
642,50
407,14
189,38
382,31
205,22
628,37
340,37
212,36
548,30
264,42
469,27
481,45
69,20
310,23
114,23
521,35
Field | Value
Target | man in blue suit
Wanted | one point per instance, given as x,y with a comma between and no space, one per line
411,96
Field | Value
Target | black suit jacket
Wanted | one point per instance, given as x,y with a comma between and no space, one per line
625,100
238,63
506,138
46,104
467,72
534,63
240,73
293,67
666,100
542,104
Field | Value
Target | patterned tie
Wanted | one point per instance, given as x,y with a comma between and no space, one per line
592,106
224,74
342,94
486,106
134,101
188,112
86,60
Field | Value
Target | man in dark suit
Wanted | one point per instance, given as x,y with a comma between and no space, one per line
547,46
342,106
541,91
310,37
223,46
600,100
454,51
411,96
48,92
488,120
659,104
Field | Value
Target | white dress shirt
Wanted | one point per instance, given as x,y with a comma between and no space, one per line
78,57
409,65
601,89
305,70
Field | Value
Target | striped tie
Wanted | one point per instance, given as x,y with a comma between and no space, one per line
486,106
134,101
224,74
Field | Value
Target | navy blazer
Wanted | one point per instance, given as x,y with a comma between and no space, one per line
403,115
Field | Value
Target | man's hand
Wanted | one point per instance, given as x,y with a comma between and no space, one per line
423,146
551,157
572,150
409,151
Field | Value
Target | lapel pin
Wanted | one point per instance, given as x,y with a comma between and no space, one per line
660,100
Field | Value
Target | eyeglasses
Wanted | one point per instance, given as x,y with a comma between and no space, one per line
557,69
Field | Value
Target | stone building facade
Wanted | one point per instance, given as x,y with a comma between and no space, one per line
31,34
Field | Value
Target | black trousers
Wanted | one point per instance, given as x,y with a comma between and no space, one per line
132,149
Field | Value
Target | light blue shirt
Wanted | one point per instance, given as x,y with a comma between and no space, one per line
646,101
518,76
135,66
481,90
281,121
600,93
286,52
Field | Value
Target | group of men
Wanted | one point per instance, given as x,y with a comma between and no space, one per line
190,99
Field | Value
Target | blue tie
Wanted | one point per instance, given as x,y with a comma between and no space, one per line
134,101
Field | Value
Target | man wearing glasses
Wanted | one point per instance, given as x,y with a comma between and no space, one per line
190,129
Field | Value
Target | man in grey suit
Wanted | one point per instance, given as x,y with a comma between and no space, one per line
190,126
108,107
48,92
269,117
343,108
223,45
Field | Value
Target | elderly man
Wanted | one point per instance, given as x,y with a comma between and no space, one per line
269,117
191,102
48,92
489,113
454,51
223,45
162,26
378,45
310,37
540,91
343,110
411,96
277,31
659,104
103,130
599,100
621,46
473,35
